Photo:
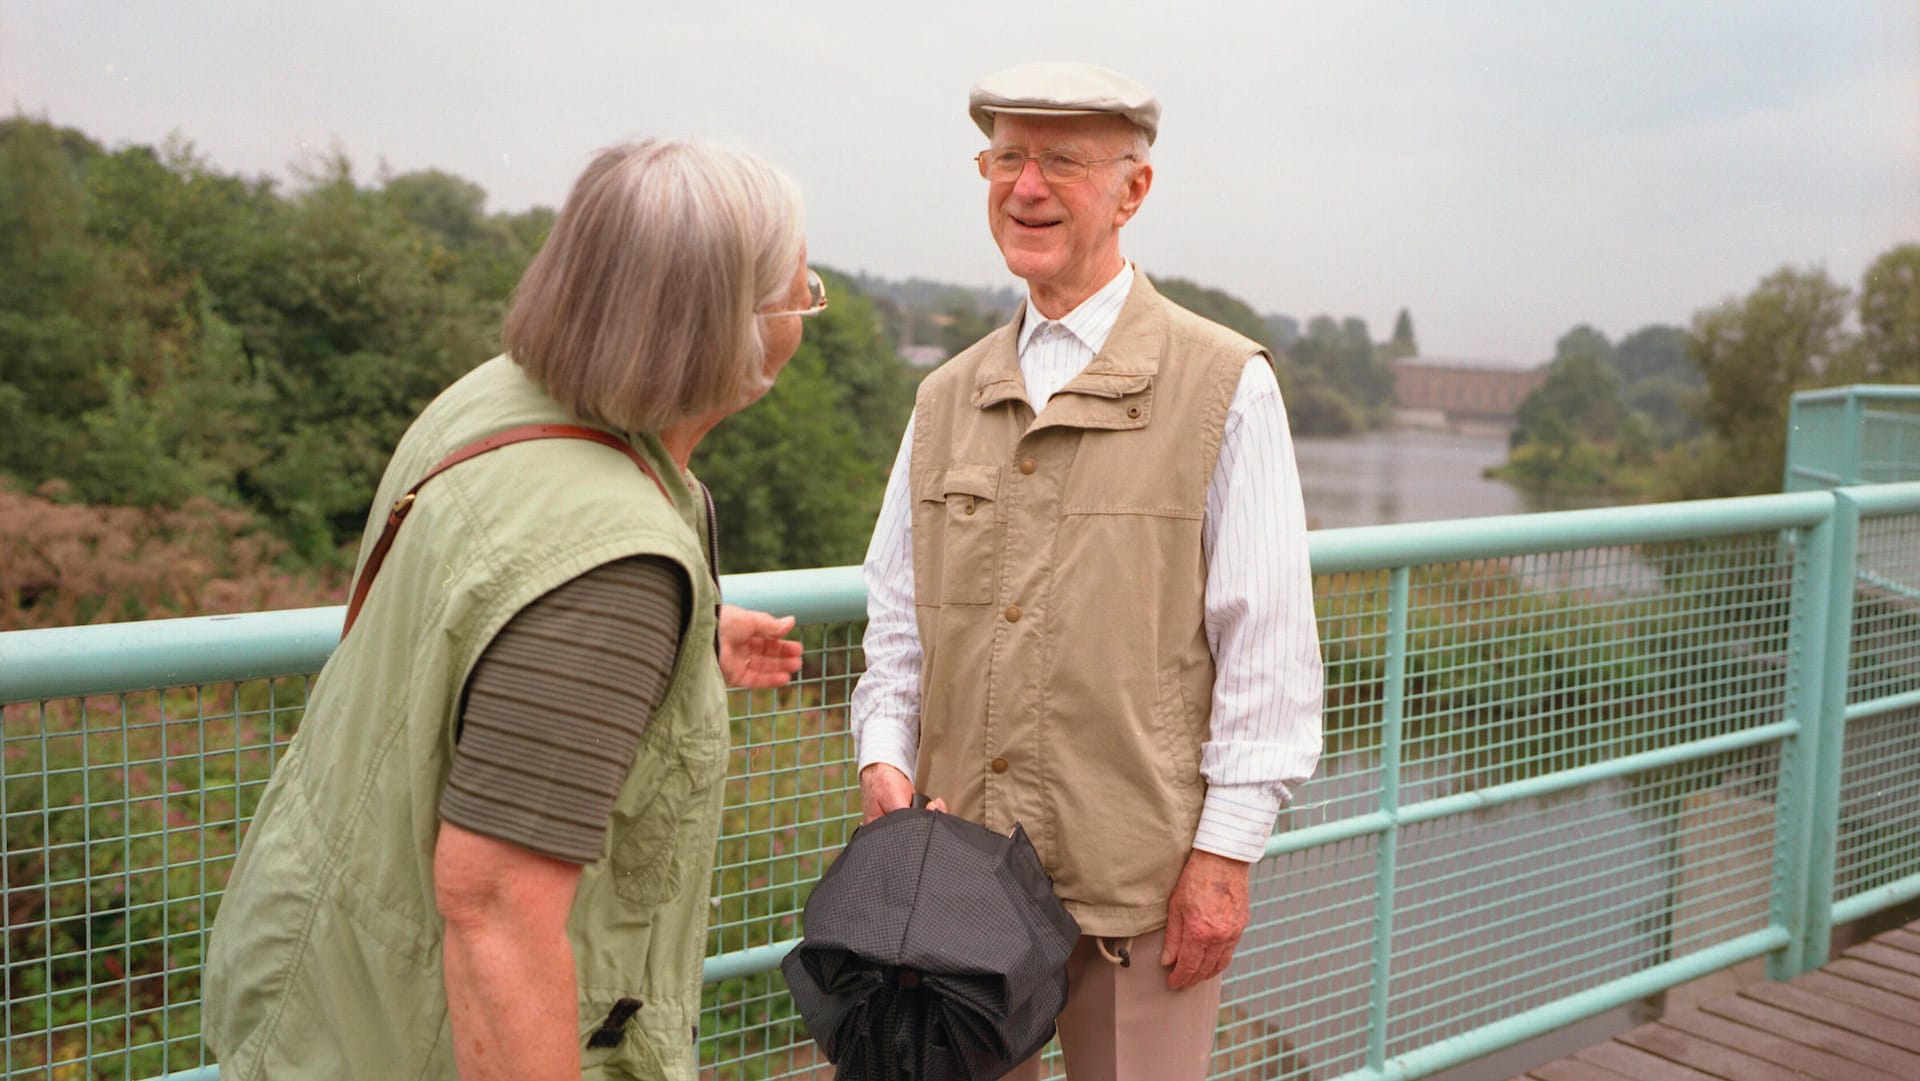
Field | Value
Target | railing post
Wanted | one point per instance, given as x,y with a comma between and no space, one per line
1386,858
1850,447
1807,640
1829,740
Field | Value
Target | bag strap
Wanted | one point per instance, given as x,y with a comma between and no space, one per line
521,434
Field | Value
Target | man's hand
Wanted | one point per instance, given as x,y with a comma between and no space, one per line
755,653
884,788
1205,917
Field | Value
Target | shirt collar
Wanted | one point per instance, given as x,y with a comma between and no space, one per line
1091,321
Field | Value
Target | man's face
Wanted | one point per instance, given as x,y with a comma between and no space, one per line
1064,239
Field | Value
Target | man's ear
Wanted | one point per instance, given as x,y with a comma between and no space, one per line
1133,195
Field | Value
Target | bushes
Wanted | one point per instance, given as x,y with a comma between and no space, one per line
63,564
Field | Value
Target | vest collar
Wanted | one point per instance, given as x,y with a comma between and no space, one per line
1114,391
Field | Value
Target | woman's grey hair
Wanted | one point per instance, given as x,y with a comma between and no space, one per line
639,310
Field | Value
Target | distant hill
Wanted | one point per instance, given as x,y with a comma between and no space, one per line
932,296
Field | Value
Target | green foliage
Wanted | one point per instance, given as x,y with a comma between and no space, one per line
1754,353
797,478
1403,343
1215,304
1581,396
1348,364
170,334
1888,349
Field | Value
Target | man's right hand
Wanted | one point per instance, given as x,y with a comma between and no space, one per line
884,788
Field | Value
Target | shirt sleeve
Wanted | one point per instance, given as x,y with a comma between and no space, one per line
556,706
885,710
1260,625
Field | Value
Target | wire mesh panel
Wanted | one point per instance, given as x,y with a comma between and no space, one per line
1879,836
122,818
1877,843
1530,902
1294,1004
1886,610
1890,442
1353,613
1514,806
792,799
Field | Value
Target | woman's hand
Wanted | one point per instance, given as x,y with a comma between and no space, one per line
755,653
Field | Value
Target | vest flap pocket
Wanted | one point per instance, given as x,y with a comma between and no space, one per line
977,481
954,536
650,852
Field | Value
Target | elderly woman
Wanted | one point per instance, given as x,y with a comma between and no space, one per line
489,847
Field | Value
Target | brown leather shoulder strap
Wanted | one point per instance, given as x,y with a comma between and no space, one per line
398,512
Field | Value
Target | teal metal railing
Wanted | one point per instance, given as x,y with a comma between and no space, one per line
1572,760
1860,434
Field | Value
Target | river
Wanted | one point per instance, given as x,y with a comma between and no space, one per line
1412,475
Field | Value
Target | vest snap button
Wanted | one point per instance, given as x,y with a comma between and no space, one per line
1133,412
1028,465
999,765
1012,613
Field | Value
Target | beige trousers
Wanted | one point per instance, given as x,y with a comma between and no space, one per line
1123,1024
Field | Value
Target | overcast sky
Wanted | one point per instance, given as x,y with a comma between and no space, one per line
1504,170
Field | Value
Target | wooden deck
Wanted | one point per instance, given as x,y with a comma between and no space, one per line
1857,1019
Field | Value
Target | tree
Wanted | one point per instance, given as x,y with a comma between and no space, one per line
1215,304
1889,345
1753,353
1580,399
797,478
1403,343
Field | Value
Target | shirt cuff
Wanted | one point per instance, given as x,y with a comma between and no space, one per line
1236,821
890,744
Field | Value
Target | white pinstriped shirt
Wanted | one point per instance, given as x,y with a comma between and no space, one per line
1259,596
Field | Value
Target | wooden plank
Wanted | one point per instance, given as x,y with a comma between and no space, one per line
1569,1069
1637,1064
1900,939
1892,1031
1816,1034
1704,1055
1808,1061
1881,1001
1886,957
1873,975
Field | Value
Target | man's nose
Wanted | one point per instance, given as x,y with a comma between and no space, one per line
1032,185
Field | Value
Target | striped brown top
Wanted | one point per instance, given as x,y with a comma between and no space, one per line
556,706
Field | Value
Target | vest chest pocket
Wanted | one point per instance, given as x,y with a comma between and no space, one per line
649,863
955,535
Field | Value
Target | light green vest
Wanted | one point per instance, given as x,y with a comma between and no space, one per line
1059,584
325,960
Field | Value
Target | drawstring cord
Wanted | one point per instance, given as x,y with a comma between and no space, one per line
1116,950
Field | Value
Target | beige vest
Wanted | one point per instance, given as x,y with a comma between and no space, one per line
325,960
1060,586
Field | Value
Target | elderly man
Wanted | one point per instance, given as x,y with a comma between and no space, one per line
1090,605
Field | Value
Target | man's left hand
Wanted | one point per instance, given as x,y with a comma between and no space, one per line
755,653
1205,918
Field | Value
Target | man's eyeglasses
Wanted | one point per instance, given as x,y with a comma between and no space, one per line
1005,165
816,298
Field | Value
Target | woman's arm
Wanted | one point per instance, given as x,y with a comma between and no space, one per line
509,969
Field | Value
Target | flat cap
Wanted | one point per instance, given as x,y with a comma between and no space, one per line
1059,88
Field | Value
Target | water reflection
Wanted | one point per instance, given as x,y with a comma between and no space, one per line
1379,478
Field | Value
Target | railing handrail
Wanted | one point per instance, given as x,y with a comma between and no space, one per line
114,658
1869,391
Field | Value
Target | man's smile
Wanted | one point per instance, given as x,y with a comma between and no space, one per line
1034,223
